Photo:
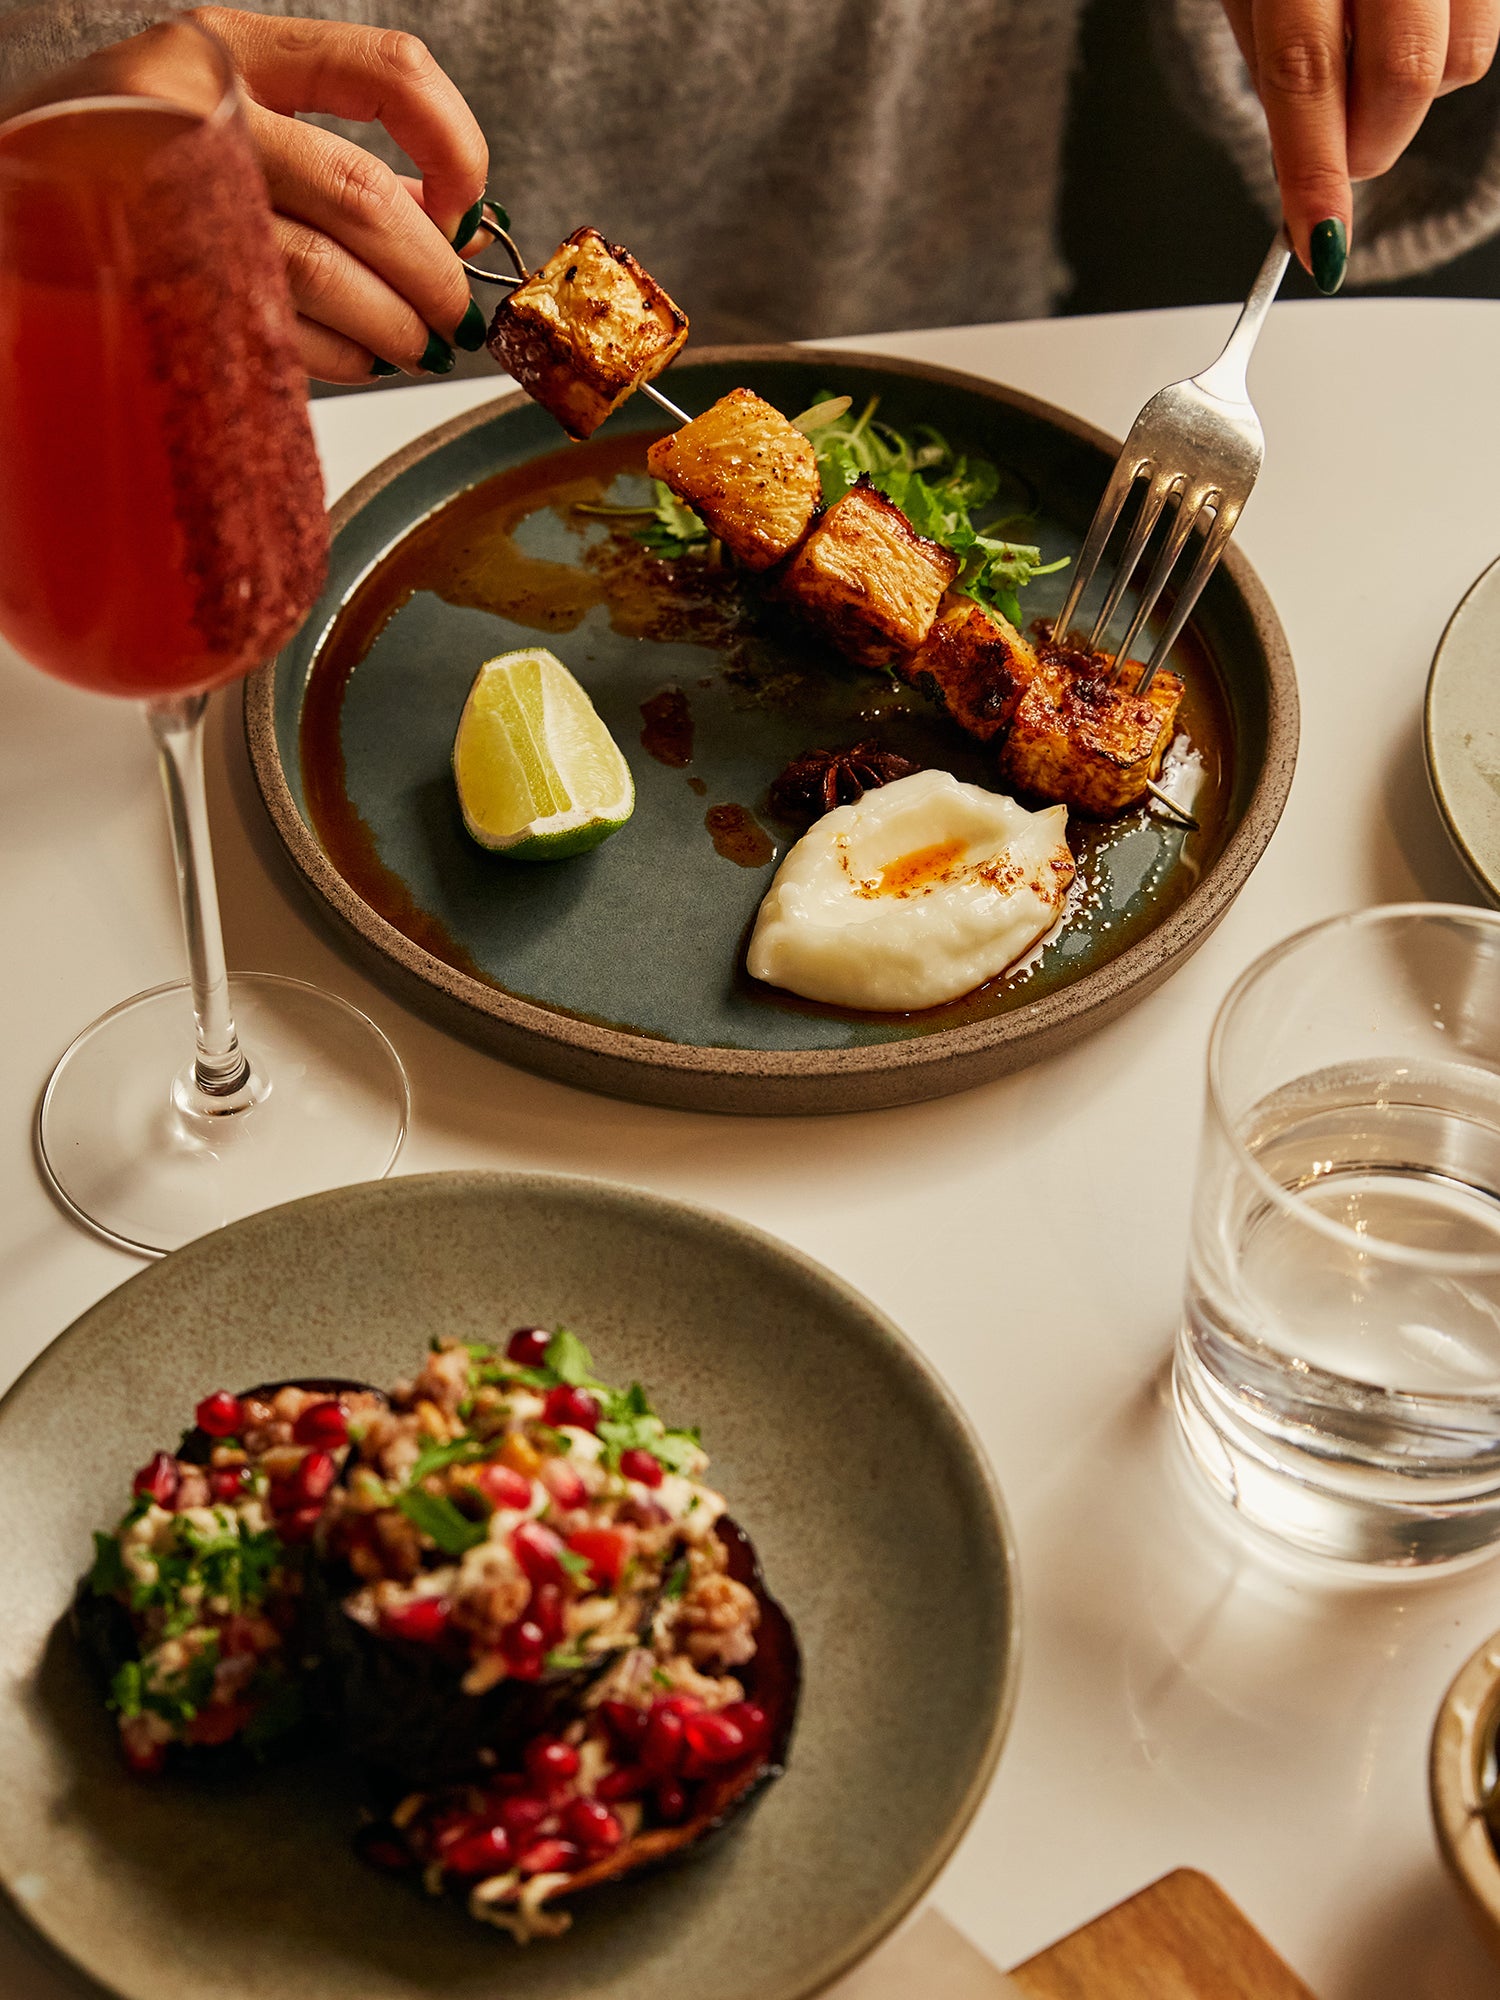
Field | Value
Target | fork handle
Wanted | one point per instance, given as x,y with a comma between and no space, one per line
1225,377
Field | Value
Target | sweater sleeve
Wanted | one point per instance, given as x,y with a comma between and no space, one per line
1441,198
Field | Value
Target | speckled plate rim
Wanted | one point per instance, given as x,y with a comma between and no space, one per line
660,1070
1435,728
1468,1710
644,1205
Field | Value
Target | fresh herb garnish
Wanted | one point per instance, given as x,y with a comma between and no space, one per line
435,1457
676,1582
953,497
566,1659
109,1573
570,1361
441,1521
579,1567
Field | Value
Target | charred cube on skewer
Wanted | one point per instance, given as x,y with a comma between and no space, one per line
974,665
585,331
868,579
748,471
1087,740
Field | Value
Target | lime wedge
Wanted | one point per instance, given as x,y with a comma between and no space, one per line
539,776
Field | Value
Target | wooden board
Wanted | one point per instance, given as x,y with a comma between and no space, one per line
1181,1939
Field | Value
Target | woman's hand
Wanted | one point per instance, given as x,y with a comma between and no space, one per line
1345,84
374,276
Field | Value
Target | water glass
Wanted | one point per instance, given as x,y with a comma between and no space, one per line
1337,1374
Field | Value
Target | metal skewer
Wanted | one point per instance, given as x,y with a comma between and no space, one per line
493,220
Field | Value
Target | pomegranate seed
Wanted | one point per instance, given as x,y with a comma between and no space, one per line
626,1723
219,1414
424,1620
299,1526
550,1857
662,1746
592,1825
218,1722
484,1853
504,1488
313,1477
143,1754
524,1646
226,1482
522,1816
539,1552
321,1423
550,1761
678,1704
751,1719
567,1405
671,1801
546,1610
606,1551
563,1482
528,1346
159,1478
641,1465
711,1740
626,1783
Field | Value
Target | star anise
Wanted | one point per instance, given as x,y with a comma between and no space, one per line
819,780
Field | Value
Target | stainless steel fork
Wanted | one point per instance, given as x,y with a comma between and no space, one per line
1198,443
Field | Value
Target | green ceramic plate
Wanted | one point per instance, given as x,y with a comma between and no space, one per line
623,969
1463,730
874,1514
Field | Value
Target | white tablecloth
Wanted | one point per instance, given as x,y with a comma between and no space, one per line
1186,1697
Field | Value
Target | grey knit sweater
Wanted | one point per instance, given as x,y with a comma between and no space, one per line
799,167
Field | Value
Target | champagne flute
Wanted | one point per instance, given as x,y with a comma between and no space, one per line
162,532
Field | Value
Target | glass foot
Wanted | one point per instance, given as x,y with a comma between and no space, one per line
135,1153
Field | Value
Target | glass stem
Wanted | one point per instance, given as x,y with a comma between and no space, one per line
219,1068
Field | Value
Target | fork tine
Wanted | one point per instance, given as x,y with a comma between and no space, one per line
1189,510
1203,568
1152,502
1126,471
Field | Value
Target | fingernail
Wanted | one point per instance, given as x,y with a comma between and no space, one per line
470,334
437,356
468,224
379,367
1328,253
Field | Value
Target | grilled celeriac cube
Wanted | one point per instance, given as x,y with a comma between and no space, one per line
748,471
585,331
974,665
1086,739
868,579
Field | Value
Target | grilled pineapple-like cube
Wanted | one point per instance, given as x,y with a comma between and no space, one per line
585,331
1086,740
975,665
748,471
868,578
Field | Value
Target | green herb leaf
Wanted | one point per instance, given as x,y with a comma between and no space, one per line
578,1567
566,1660
676,1582
436,1457
441,1521
570,1361
109,1573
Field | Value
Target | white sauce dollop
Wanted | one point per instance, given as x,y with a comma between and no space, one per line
914,895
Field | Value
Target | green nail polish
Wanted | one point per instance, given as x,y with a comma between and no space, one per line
470,334
468,224
437,357
379,367
1329,254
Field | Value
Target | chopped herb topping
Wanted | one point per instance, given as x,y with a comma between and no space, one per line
441,1521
